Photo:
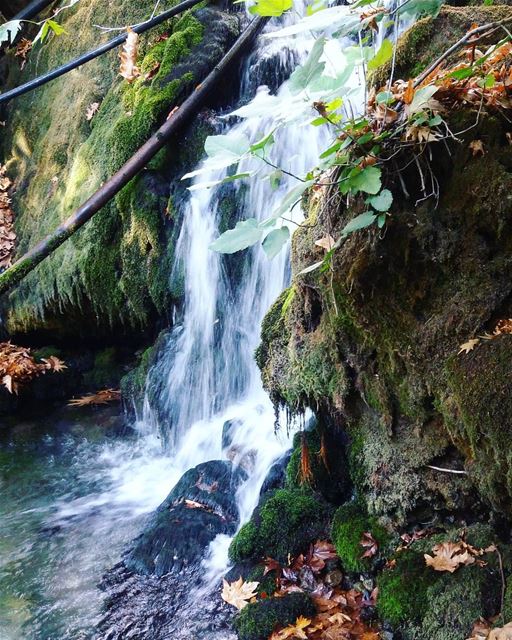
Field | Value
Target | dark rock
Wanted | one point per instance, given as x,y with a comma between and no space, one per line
277,474
200,507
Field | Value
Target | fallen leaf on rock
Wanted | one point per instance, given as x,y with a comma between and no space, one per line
101,397
449,556
480,630
18,366
468,346
238,593
22,50
370,545
501,633
128,55
295,630
91,111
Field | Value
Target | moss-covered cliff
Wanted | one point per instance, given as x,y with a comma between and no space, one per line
115,271
372,345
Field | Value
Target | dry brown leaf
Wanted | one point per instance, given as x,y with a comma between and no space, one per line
449,556
22,50
409,92
101,397
468,346
370,545
128,55
295,630
501,633
480,630
477,148
91,111
421,134
327,242
18,366
238,593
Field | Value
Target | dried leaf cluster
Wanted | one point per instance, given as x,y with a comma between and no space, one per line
18,366
449,556
7,234
128,55
23,48
483,79
91,111
503,327
101,397
339,611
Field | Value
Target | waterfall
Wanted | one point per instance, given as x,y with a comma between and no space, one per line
206,375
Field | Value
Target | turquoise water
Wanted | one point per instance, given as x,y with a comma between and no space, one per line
74,490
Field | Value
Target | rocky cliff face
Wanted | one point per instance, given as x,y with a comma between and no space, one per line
372,346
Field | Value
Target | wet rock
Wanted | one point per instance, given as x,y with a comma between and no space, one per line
200,507
277,474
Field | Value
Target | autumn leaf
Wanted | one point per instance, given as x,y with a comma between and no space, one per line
409,92
370,545
295,630
91,111
477,148
501,633
128,55
480,630
18,366
327,242
449,556
468,346
23,48
101,397
238,593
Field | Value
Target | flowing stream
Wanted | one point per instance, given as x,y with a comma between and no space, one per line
75,488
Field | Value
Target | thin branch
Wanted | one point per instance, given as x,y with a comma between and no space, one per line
457,471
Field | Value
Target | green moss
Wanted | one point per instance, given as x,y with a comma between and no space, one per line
106,371
287,521
267,583
133,384
258,620
116,269
349,523
425,603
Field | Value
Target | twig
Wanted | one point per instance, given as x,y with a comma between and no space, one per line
503,583
478,30
457,471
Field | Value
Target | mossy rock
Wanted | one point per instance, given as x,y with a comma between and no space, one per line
260,619
115,271
423,603
286,522
429,37
349,523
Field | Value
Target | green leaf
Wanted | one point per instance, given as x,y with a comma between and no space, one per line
267,141
421,98
312,267
381,220
382,201
291,198
245,234
271,8
275,241
232,145
462,74
384,54
57,29
435,121
328,152
311,69
9,31
367,180
361,221
384,97
214,183
275,179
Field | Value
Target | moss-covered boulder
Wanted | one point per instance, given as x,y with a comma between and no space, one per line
286,522
260,619
116,270
424,603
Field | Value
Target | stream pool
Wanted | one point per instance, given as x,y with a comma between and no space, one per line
75,487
